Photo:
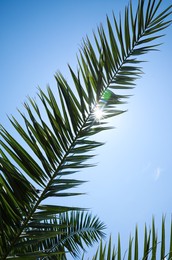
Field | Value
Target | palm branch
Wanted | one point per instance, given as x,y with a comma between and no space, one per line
154,245
56,136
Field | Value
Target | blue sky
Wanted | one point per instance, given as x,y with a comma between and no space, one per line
132,180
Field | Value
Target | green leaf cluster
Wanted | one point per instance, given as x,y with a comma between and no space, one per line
153,247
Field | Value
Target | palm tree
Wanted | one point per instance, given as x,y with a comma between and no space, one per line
56,139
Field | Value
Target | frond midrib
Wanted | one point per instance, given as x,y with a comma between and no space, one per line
41,198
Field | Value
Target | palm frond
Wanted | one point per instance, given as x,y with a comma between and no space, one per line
58,145
153,248
79,230
67,233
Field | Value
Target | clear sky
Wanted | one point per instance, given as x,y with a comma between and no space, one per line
133,177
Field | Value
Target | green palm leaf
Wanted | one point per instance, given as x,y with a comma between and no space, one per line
154,246
67,233
59,144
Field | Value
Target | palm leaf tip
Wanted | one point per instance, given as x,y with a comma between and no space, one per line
154,245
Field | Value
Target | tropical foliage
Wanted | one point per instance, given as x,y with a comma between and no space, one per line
56,139
153,247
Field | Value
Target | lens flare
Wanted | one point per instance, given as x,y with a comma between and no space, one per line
98,113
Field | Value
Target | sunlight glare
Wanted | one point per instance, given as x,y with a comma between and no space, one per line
98,113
